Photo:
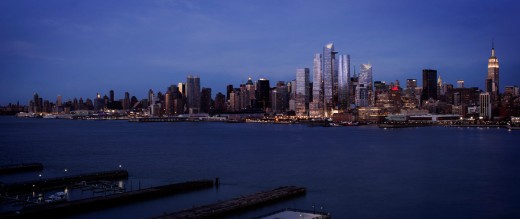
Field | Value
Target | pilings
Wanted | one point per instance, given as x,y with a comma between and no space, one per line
61,209
63,181
23,167
237,204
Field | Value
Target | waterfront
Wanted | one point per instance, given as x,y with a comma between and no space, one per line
353,172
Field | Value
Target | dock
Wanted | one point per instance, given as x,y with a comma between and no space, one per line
60,182
61,209
18,168
223,208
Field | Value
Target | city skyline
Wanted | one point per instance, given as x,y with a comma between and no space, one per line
67,49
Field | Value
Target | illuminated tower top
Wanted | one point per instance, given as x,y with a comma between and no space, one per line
492,80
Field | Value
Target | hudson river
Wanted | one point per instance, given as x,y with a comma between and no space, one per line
352,172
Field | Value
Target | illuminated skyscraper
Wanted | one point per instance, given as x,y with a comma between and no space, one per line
302,91
316,107
460,83
364,90
329,79
492,81
343,81
485,105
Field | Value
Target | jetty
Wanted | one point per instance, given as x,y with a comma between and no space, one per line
61,182
66,208
223,208
18,168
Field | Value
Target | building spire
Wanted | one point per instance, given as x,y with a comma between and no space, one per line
493,48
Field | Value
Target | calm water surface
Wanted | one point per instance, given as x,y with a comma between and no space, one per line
352,172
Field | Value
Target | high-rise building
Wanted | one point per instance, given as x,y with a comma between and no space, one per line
485,105
168,102
302,92
234,100
59,102
344,81
460,83
492,80
263,88
126,101
429,84
220,103
193,94
229,89
364,89
150,97
329,79
280,98
316,107
111,96
205,100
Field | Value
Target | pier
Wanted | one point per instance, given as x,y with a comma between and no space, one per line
18,168
222,208
61,209
60,182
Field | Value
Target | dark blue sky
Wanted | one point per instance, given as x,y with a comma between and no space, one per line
79,48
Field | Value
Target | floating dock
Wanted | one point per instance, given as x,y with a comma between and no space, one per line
222,208
18,168
62,209
59,182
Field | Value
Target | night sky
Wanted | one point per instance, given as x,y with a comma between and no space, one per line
80,48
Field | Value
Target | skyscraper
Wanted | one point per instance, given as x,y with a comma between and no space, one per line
302,92
316,107
460,83
329,79
492,80
429,84
485,105
193,94
205,100
263,88
364,89
343,81
111,96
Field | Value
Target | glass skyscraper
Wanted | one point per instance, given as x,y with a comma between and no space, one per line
193,94
343,81
329,61
316,107
302,91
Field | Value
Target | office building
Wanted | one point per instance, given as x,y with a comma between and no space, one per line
302,92
429,84
193,94
344,81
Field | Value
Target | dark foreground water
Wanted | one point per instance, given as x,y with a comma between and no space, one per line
353,172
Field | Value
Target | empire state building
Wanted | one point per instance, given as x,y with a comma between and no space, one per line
492,84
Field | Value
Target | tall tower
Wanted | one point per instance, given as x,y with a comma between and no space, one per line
492,80
316,107
429,83
329,61
193,94
343,81
302,91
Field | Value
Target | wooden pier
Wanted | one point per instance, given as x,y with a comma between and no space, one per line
23,167
222,208
62,209
60,182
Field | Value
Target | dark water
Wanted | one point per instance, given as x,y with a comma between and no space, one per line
353,172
